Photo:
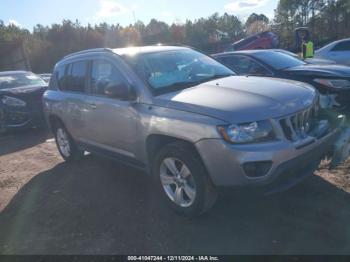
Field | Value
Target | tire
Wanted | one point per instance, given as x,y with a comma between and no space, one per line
191,192
66,145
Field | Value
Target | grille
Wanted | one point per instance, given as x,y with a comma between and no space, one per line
297,127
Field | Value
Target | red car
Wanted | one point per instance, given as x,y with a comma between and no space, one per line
265,40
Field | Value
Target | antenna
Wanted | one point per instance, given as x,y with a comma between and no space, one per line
133,14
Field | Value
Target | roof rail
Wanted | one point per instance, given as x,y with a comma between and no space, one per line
89,51
180,45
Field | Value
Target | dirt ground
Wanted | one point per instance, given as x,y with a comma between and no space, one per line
96,206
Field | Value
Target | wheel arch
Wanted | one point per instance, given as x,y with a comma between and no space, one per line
54,120
156,142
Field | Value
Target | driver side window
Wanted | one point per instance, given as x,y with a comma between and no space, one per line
245,66
104,75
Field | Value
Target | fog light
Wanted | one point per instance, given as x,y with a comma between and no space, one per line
257,169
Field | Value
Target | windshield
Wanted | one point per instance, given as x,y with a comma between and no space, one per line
173,70
279,60
19,80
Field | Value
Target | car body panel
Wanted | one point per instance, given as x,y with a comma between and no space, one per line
306,73
264,40
192,115
340,57
24,116
225,99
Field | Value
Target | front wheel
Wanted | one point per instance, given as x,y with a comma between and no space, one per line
66,145
183,180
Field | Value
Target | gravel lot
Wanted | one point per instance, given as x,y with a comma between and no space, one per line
96,206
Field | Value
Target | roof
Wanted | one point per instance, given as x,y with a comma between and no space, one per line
248,52
146,49
340,40
128,50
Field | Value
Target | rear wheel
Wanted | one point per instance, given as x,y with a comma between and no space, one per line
66,145
183,180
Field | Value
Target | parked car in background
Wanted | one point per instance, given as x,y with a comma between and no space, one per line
264,40
328,79
188,120
316,61
338,51
46,77
21,100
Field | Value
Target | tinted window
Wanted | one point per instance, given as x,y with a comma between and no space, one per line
19,80
244,65
60,75
175,70
278,60
74,79
343,46
104,75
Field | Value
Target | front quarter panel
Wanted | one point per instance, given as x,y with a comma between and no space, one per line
191,127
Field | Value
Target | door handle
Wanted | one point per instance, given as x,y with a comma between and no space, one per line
93,106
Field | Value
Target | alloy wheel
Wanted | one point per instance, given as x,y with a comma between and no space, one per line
177,182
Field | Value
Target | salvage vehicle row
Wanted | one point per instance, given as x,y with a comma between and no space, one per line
188,121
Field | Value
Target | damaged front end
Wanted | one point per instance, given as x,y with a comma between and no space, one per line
331,110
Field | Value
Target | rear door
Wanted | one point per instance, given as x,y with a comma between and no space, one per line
111,122
72,82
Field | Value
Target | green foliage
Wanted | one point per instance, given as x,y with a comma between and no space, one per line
48,44
45,45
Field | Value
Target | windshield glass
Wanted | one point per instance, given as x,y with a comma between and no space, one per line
20,80
173,70
279,60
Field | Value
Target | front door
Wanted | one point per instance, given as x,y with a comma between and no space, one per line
112,122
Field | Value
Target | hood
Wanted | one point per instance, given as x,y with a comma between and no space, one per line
320,70
23,90
238,99
26,93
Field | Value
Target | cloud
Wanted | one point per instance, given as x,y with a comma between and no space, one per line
110,8
239,5
13,22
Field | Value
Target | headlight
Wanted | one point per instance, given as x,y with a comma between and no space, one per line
11,101
248,132
334,83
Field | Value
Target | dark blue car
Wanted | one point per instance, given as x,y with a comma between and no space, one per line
21,100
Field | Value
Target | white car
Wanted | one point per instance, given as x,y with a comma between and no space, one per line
338,51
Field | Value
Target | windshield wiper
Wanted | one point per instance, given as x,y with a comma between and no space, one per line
183,85
180,85
216,77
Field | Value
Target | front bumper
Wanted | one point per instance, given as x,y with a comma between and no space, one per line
16,118
224,161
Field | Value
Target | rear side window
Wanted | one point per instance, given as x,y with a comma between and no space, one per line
343,46
73,77
244,65
60,75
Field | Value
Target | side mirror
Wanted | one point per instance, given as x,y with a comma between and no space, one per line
120,91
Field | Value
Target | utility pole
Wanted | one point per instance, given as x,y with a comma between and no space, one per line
133,14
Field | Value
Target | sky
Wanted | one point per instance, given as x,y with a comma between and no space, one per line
28,13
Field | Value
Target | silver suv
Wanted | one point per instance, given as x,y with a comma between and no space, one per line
187,120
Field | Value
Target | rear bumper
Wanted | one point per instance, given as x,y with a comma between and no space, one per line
289,165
